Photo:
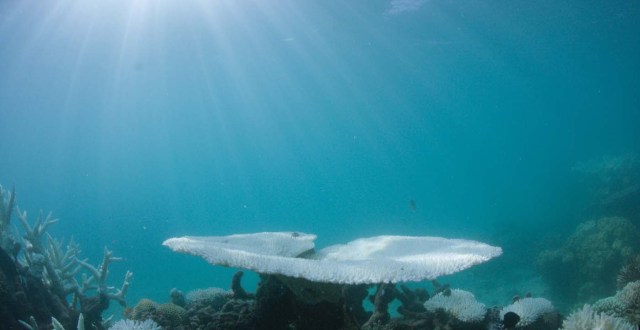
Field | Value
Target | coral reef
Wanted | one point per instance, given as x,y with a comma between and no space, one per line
45,284
278,305
591,257
301,301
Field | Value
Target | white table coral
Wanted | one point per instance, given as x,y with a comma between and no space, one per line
367,260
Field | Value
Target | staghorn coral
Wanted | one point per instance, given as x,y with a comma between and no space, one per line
98,278
58,268
44,273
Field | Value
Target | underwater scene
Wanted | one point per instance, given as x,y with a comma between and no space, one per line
320,164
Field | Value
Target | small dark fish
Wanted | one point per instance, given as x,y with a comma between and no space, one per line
412,205
510,320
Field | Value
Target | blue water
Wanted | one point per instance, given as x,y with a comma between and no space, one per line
136,121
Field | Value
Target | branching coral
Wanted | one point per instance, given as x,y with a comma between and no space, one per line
99,277
46,264
64,262
36,252
58,267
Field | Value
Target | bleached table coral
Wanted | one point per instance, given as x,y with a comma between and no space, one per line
379,259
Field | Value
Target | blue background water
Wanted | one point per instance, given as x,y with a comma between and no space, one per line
136,121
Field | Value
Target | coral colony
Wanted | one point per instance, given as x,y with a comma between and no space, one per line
46,284
42,282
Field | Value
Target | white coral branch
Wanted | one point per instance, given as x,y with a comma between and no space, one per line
98,278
